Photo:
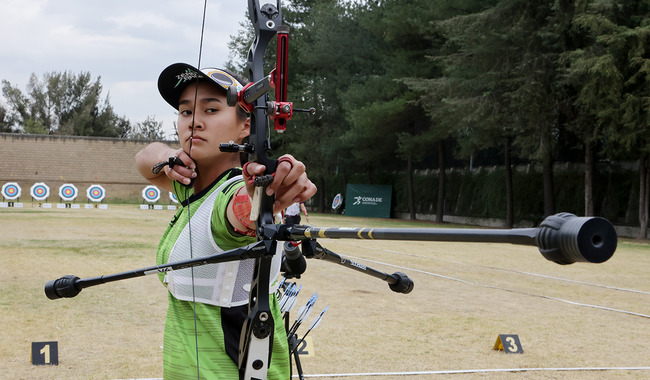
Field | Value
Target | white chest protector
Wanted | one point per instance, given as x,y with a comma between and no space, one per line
224,284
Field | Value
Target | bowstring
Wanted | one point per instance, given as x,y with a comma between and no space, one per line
187,189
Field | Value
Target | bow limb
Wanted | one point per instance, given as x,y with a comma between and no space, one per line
257,333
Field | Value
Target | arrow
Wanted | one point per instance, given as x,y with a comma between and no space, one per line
293,298
303,313
289,298
286,295
315,323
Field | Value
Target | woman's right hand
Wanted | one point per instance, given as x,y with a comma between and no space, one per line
182,173
156,153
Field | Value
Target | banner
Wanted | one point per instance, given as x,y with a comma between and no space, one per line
368,200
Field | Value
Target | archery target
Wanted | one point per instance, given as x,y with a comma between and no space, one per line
338,199
68,192
40,191
95,193
11,190
172,196
151,194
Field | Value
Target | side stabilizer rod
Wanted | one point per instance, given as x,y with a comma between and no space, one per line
397,282
70,286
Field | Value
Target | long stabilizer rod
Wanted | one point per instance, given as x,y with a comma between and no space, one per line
562,238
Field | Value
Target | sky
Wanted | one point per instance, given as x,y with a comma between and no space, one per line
124,43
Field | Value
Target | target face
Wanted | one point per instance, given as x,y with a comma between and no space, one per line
151,193
172,196
11,190
95,193
68,192
40,191
337,201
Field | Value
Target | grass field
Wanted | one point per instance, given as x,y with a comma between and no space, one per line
465,295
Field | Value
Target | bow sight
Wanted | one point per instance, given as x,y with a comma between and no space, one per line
279,110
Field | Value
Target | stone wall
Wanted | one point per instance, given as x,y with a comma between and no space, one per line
82,161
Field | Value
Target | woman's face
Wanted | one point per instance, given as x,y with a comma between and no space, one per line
214,122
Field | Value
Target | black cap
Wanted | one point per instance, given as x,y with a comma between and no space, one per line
173,80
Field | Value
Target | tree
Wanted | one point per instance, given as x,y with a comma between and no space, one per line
609,70
383,111
421,80
150,129
64,104
498,83
592,73
4,124
322,66
465,97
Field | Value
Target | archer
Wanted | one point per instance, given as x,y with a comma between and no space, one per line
208,305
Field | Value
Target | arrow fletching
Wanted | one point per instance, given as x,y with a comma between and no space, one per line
315,323
303,313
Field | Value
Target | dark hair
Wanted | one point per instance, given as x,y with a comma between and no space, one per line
241,114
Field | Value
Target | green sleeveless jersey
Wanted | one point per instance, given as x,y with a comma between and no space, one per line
217,327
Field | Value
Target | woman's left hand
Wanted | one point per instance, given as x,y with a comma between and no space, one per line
290,182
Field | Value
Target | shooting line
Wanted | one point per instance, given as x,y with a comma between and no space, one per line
478,371
515,271
513,290
459,372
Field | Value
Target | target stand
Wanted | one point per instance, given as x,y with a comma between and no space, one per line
11,195
40,192
96,194
151,195
68,193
